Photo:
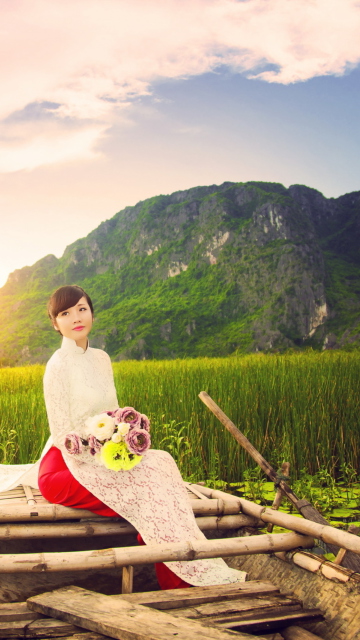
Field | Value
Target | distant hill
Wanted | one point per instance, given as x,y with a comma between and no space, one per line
208,271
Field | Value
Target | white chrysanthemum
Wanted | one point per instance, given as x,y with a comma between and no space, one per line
123,428
102,426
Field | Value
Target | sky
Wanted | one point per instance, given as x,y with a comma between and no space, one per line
108,102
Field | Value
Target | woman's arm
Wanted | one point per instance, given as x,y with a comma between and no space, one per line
108,370
57,400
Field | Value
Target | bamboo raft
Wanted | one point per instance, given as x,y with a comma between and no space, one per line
45,547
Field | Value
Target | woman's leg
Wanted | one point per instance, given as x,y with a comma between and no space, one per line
167,579
59,486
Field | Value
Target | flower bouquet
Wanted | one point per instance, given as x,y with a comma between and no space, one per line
117,439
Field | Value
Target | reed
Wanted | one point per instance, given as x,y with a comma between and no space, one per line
302,407
23,421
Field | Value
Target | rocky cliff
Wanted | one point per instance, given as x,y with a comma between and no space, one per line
207,271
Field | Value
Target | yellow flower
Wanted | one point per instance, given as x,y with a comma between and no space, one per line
115,456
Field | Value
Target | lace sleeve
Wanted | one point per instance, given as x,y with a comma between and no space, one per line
114,404
57,400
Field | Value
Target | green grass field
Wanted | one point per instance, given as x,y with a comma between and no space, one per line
303,407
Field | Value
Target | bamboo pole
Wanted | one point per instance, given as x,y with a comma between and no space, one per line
317,564
327,533
216,506
303,506
285,470
191,488
84,529
298,633
211,494
341,553
92,528
45,512
224,505
127,579
224,523
29,496
125,556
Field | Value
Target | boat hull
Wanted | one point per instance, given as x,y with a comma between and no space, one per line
340,602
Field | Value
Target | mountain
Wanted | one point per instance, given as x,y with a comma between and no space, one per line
207,271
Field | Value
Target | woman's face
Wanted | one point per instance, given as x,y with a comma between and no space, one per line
75,322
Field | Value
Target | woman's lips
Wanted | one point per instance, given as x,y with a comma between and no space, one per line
78,328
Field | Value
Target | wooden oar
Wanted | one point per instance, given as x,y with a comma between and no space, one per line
351,560
285,470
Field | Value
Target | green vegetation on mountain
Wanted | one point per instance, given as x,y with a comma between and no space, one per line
209,271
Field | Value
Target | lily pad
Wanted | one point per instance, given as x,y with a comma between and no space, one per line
269,486
345,515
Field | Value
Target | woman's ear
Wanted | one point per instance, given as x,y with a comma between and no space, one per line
55,326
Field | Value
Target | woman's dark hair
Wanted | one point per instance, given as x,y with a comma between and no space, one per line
66,297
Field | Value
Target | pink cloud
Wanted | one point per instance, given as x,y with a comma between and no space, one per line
94,57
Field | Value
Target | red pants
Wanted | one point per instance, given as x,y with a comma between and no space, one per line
58,486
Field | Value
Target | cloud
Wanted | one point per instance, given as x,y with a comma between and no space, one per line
52,145
83,61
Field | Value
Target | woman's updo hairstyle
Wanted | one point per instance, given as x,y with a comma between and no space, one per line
64,298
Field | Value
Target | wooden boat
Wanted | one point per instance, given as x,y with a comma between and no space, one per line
45,547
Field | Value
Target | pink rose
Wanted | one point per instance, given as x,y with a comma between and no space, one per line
144,422
94,444
138,441
73,443
128,415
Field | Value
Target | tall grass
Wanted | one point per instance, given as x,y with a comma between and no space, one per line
302,407
23,422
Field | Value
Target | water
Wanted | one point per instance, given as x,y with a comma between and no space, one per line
340,505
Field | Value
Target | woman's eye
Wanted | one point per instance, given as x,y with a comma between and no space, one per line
83,309
64,313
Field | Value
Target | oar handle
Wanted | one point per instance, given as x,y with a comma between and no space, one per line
351,560
301,505
236,433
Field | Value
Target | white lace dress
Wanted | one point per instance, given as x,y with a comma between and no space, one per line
152,495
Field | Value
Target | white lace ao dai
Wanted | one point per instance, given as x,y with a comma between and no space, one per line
152,495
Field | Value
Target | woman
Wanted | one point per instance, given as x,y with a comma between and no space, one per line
78,383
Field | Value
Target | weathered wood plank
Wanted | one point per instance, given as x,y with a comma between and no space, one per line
120,619
273,621
42,628
12,606
17,611
239,609
246,617
176,598
87,636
